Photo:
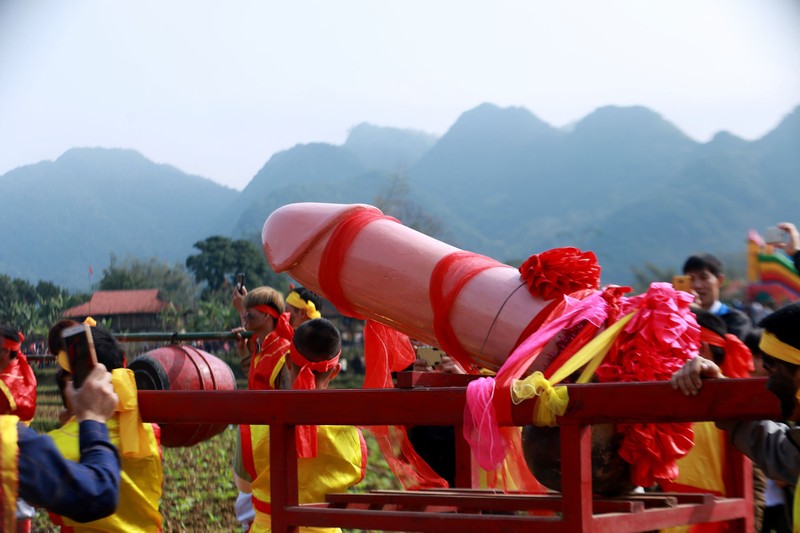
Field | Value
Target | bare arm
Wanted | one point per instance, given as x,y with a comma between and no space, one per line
689,379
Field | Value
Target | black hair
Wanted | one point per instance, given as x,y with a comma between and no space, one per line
109,350
55,343
7,332
309,296
712,322
784,324
318,340
752,340
699,262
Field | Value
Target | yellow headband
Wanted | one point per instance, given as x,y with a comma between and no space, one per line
295,300
771,345
63,360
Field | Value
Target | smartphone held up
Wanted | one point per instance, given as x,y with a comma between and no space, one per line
775,235
682,283
80,352
240,282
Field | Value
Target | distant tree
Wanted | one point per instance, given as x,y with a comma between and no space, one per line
173,281
221,258
32,308
394,200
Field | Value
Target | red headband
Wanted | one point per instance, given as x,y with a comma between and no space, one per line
14,346
283,327
307,435
738,362
305,378
267,310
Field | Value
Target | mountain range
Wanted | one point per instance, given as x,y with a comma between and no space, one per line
623,181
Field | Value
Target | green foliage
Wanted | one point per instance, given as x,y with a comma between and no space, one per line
214,313
174,282
221,258
32,308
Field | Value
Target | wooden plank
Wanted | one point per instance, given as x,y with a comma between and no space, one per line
653,519
418,521
743,399
483,502
719,399
576,477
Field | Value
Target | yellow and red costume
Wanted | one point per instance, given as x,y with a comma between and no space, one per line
330,458
9,472
17,385
340,463
141,476
267,360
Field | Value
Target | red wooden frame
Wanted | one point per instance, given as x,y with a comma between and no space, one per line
593,403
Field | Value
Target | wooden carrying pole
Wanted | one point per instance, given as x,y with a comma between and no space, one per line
577,510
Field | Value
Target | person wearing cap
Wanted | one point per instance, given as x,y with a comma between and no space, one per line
303,305
330,458
773,446
32,467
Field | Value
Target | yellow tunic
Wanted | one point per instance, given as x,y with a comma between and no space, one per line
140,482
340,463
9,472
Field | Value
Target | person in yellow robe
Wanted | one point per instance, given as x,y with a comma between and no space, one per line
141,476
31,467
330,458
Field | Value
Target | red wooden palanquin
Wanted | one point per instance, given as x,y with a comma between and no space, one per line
460,510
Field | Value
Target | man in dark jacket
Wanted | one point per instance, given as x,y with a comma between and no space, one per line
707,278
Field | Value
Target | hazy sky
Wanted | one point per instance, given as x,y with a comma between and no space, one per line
216,88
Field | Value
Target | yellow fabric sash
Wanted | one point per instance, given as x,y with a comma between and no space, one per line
9,472
12,403
140,484
553,401
276,372
133,439
772,345
337,466
295,300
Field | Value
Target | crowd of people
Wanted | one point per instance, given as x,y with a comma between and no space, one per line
102,466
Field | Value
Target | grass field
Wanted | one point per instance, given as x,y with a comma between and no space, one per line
198,491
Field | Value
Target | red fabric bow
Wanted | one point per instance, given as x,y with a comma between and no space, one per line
305,380
560,271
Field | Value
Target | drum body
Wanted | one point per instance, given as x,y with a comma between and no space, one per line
183,368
